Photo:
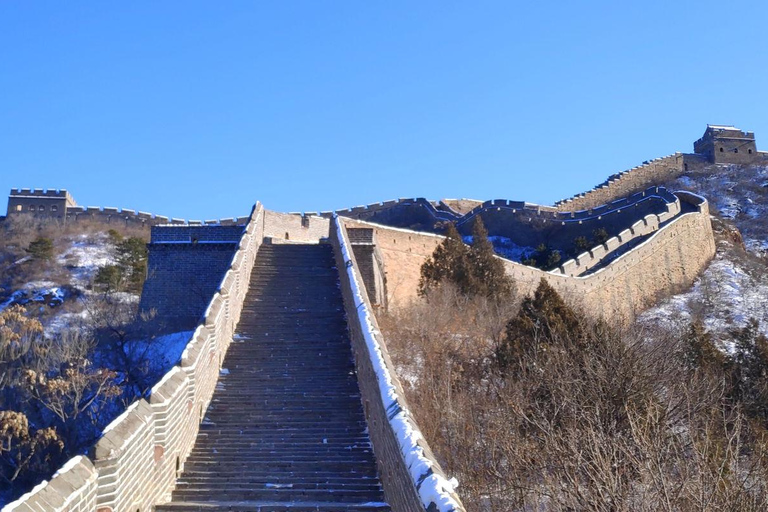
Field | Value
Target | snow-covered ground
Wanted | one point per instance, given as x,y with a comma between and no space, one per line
739,195
734,288
506,248
85,255
724,298
68,281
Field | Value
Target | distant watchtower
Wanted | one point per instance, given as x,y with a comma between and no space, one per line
727,145
48,203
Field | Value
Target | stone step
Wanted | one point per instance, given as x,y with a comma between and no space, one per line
245,483
288,410
278,494
203,470
305,482
272,506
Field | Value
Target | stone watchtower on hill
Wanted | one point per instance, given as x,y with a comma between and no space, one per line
728,145
49,203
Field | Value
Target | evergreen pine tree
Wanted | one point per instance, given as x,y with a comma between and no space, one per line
449,262
489,278
580,244
599,236
132,258
698,349
544,319
41,249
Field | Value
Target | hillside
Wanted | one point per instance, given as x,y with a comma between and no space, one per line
72,353
734,288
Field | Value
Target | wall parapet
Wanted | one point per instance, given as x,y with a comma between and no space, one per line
135,463
516,207
593,257
617,291
626,182
109,215
411,476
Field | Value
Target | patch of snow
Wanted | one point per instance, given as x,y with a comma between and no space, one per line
506,248
728,294
42,292
64,321
85,256
165,351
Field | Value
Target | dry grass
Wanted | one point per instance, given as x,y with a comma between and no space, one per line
618,425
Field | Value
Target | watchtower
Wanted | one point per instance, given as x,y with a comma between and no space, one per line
727,145
40,202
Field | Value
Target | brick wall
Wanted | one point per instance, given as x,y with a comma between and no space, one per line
594,257
295,227
523,223
413,480
124,216
529,226
369,263
164,233
623,288
72,488
181,279
656,171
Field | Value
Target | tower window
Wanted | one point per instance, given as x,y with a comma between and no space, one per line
721,150
31,207
42,208
18,207
736,150
54,208
750,151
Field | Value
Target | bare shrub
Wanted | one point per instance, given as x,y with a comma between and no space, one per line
591,418
25,452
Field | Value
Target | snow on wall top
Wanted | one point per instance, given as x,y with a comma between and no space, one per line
434,489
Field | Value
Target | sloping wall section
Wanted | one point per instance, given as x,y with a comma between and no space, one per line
134,465
623,288
658,170
412,478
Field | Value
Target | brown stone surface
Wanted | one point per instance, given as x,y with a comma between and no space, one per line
667,262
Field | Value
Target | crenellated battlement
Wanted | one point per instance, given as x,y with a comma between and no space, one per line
719,145
41,193
60,205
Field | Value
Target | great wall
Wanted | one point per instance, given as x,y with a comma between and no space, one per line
659,241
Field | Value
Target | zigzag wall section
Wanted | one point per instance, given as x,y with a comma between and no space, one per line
658,170
618,291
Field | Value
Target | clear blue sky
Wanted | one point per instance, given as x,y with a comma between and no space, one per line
197,109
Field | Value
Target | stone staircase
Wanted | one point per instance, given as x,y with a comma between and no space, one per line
285,430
